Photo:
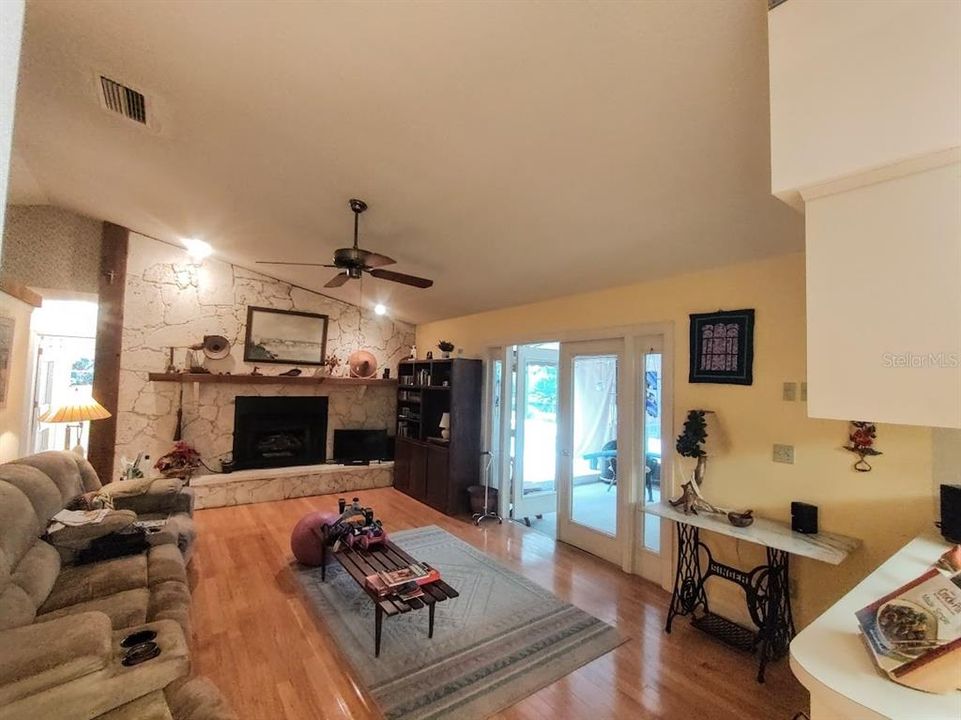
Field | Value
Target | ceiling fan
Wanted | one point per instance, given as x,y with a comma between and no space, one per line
354,261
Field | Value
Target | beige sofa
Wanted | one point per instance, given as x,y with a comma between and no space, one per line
61,625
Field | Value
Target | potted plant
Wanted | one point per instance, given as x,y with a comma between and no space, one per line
181,462
446,347
690,443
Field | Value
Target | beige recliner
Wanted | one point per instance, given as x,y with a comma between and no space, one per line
61,626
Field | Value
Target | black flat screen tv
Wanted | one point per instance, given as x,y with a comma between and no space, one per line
353,446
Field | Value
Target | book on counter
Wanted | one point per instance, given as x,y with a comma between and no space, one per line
914,632
404,582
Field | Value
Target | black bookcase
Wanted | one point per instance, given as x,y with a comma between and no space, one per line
426,467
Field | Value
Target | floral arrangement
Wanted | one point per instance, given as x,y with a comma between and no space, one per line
182,461
861,442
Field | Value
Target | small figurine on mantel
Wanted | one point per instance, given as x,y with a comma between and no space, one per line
331,362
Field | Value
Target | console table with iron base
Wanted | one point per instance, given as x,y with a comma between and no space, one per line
766,586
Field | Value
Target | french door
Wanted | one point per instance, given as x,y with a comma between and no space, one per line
534,490
590,431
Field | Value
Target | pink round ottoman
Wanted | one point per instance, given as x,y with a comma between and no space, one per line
304,542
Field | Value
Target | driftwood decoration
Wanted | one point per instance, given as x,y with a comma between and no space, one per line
691,502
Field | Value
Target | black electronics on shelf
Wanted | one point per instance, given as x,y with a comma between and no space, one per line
427,466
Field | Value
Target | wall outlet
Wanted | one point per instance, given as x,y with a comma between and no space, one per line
804,392
783,454
789,392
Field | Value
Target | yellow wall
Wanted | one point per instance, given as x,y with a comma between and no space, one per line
884,508
12,417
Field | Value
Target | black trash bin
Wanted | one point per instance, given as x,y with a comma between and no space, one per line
476,493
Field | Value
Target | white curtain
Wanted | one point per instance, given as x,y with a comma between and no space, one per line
595,407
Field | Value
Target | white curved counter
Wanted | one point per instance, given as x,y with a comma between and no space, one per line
830,660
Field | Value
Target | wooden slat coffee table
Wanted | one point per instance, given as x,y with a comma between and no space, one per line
360,563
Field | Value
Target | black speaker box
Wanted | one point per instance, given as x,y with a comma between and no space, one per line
804,518
951,513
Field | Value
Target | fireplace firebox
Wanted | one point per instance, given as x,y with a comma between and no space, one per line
279,431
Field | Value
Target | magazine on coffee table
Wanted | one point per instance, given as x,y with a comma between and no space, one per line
914,633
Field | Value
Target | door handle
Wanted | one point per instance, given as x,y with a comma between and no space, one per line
566,453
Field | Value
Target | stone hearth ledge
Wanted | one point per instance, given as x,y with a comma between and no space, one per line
253,486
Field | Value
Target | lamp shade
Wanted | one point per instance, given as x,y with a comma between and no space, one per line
77,409
444,421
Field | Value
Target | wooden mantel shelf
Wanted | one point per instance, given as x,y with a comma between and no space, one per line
267,379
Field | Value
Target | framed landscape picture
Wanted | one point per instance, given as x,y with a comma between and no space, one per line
285,336
722,347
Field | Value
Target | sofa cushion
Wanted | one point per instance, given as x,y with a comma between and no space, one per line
72,474
16,607
164,563
152,706
37,572
37,657
19,523
197,699
40,489
170,601
130,590
81,583
79,537
125,609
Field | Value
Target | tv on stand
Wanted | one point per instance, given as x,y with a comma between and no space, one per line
359,447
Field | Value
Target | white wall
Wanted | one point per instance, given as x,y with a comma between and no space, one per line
858,85
11,32
13,417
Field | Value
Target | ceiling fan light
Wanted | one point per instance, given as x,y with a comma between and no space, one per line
197,249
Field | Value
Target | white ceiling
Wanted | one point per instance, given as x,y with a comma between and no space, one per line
511,151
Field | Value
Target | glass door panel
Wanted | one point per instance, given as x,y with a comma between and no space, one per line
590,490
651,386
594,457
535,431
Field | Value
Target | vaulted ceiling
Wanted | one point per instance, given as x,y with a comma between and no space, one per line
511,151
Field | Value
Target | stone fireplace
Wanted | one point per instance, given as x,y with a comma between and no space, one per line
279,431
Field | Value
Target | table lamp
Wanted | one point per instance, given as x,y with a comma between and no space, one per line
78,409
444,426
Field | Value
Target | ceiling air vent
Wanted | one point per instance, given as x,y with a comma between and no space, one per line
124,100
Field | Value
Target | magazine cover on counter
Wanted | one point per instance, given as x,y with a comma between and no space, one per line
914,633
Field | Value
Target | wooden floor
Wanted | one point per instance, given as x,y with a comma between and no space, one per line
256,638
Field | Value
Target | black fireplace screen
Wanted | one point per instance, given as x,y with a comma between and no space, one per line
279,431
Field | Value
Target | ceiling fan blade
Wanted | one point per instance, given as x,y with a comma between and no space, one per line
401,278
375,260
337,280
281,262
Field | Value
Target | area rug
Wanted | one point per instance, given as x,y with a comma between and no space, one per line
503,639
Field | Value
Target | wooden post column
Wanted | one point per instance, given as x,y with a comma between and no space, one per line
106,363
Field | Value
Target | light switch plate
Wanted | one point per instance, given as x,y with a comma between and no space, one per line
783,454
789,392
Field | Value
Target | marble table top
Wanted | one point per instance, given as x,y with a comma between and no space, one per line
826,547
